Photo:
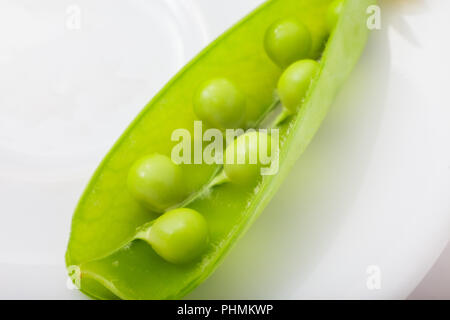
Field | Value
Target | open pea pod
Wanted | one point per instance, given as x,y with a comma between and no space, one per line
110,262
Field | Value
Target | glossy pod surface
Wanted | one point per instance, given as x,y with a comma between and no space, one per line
111,263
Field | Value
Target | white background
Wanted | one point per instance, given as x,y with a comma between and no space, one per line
370,193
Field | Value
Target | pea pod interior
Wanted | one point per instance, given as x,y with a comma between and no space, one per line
112,266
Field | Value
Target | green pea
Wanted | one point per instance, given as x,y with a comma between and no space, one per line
333,13
179,236
287,41
295,81
242,162
220,103
156,182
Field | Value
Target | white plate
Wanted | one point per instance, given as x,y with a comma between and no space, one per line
364,214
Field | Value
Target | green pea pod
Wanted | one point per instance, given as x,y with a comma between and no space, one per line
103,246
